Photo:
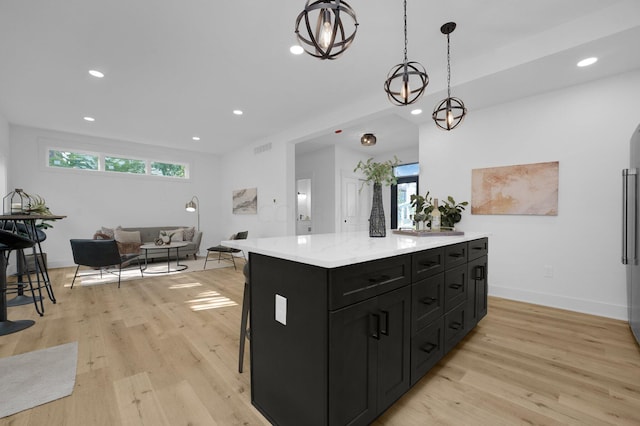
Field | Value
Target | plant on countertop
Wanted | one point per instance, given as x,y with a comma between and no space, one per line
450,211
378,173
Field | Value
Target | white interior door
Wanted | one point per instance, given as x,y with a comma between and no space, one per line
355,205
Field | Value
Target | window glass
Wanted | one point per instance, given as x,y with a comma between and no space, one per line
124,165
167,169
73,160
412,169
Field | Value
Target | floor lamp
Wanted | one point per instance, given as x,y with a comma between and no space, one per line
192,206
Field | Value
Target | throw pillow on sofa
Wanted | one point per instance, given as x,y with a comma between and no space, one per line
128,241
189,233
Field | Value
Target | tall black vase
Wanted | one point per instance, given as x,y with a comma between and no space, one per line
377,225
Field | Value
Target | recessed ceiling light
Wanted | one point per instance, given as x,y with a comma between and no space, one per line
416,111
296,49
237,112
96,73
196,138
89,119
588,61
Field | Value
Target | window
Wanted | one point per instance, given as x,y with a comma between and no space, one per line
73,160
124,165
407,185
113,163
167,169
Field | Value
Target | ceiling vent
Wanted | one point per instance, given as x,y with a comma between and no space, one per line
262,148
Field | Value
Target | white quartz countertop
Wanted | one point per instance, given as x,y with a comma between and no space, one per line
341,249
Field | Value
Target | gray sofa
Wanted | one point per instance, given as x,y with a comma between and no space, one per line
149,234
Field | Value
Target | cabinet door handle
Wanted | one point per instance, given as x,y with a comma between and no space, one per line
428,300
429,347
478,273
376,329
380,279
455,325
385,321
455,286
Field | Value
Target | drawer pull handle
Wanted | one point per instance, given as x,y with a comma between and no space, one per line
456,255
429,347
376,329
455,286
385,321
455,325
428,300
478,273
477,248
380,279
429,264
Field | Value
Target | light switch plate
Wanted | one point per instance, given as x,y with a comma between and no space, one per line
281,309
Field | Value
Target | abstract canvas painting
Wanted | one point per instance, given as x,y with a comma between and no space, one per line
527,189
245,201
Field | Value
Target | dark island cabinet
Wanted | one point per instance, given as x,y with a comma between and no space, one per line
352,340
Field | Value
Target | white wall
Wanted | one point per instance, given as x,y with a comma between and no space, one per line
94,199
4,154
587,129
272,173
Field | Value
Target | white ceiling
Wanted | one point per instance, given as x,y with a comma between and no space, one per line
177,69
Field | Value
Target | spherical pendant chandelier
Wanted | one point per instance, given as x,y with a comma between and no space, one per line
368,139
450,112
332,34
406,82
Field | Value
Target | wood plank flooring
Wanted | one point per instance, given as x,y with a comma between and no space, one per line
163,351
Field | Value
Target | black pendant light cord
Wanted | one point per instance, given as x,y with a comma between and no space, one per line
448,70
405,33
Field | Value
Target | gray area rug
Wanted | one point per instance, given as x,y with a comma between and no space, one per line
37,377
89,277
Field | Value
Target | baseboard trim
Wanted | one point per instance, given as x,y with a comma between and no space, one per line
562,302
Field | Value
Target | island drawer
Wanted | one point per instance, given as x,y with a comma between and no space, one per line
455,255
455,326
478,248
427,263
427,299
427,348
354,283
455,287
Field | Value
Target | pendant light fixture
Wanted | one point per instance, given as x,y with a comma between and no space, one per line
368,139
407,81
328,38
450,112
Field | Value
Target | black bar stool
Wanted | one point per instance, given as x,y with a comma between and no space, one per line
245,333
10,241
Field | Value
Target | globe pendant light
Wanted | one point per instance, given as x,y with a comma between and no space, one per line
407,81
450,112
328,38
368,139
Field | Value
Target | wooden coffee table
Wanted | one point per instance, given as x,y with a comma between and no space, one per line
168,247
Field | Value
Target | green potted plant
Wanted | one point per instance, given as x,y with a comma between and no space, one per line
451,212
378,173
422,208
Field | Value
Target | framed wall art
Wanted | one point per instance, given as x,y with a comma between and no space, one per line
526,189
245,201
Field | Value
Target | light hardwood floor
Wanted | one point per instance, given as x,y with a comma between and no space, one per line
163,351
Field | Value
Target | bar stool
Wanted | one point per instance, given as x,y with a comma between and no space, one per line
10,241
245,333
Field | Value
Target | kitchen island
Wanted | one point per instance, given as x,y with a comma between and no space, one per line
342,325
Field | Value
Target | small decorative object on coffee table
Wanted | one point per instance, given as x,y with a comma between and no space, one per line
159,241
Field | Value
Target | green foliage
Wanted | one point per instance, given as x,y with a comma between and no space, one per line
451,212
378,172
124,165
73,160
167,169
422,205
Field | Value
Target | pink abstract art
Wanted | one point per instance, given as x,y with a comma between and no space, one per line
527,189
